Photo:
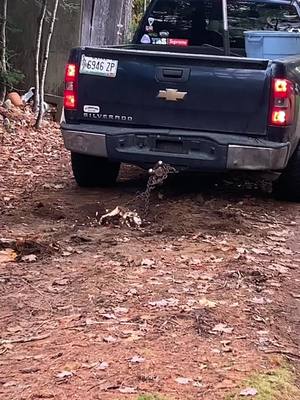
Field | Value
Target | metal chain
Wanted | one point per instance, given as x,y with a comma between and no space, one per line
158,174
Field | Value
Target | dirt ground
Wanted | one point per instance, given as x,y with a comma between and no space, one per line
204,294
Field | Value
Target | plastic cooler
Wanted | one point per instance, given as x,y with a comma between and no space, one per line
271,44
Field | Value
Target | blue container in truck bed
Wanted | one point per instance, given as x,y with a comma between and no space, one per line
272,45
172,95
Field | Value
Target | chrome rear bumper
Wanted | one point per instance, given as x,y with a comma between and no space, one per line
215,152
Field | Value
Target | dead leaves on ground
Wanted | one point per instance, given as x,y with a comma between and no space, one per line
7,255
28,157
215,288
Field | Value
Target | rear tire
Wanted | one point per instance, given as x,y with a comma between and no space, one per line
92,171
287,186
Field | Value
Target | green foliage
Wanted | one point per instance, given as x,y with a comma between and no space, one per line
278,384
11,77
138,12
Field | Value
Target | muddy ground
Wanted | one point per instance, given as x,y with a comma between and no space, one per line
189,305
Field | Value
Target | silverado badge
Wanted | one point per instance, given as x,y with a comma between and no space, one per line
171,95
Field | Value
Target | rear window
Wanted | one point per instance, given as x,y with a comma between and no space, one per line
200,22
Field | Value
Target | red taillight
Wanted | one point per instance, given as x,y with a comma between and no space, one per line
282,107
70,95
280,86
70,101
70,71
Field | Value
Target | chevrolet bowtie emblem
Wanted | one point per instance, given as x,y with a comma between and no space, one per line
171,95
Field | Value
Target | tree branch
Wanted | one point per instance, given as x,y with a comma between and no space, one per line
3,68
45,65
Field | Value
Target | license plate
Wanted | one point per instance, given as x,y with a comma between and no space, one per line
98,66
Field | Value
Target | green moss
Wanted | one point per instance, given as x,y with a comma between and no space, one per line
278,384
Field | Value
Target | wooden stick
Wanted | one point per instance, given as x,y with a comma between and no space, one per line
284,352
24,340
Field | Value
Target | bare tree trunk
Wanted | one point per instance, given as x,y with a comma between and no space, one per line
45,65
37,55
127,19
3,60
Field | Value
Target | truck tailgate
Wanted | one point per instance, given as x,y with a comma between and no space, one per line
177,90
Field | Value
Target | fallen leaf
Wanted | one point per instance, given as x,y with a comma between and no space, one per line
260,251
90,321
121,310
132,292
159,303
147,263
223,328
248,392
7,255
207,303
64,374
10,384
164,303
66,253
295,295
198,384
120,215
277,239
42,395
284,251
102,366
137,360
183,381
14,329
281,269
7,242
258,300
109,339
108,316
90,366
108,386
60,282
30,370
133,337
29,258
127,390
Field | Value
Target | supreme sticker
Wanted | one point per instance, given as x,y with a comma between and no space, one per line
178,42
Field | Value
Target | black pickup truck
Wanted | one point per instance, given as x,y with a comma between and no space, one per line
172,95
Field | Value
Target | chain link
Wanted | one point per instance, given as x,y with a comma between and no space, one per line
158,174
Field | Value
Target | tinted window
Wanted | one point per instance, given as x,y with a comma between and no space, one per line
200,22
